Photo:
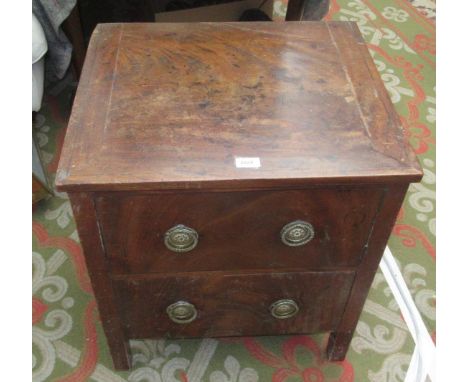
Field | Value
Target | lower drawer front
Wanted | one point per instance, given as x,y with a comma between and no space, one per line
216,305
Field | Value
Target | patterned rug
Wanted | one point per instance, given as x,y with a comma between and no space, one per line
68,341
426,7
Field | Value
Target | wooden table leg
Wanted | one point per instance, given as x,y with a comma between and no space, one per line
295,10
72,28
307,10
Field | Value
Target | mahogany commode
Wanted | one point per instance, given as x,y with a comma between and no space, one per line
232,179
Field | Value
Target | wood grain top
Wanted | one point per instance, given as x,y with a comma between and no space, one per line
171,106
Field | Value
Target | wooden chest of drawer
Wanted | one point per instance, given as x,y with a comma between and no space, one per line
232,179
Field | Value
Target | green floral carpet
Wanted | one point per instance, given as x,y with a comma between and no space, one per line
68,341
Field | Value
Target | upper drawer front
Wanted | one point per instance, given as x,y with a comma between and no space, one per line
213,304
234,231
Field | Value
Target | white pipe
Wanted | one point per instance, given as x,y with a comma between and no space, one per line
423,360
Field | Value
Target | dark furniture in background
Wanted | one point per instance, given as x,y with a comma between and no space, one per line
232,179
88,13
94,12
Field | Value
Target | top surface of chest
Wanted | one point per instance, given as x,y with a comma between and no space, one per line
174,106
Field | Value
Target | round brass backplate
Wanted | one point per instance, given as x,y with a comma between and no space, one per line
181,312
297,233
284,308
181,238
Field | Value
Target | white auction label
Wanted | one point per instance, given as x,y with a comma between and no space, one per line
248,162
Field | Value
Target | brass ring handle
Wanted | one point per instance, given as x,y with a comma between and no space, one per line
284,308
181,238
181,312
297,233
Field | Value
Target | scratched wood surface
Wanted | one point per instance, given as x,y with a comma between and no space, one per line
170,106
